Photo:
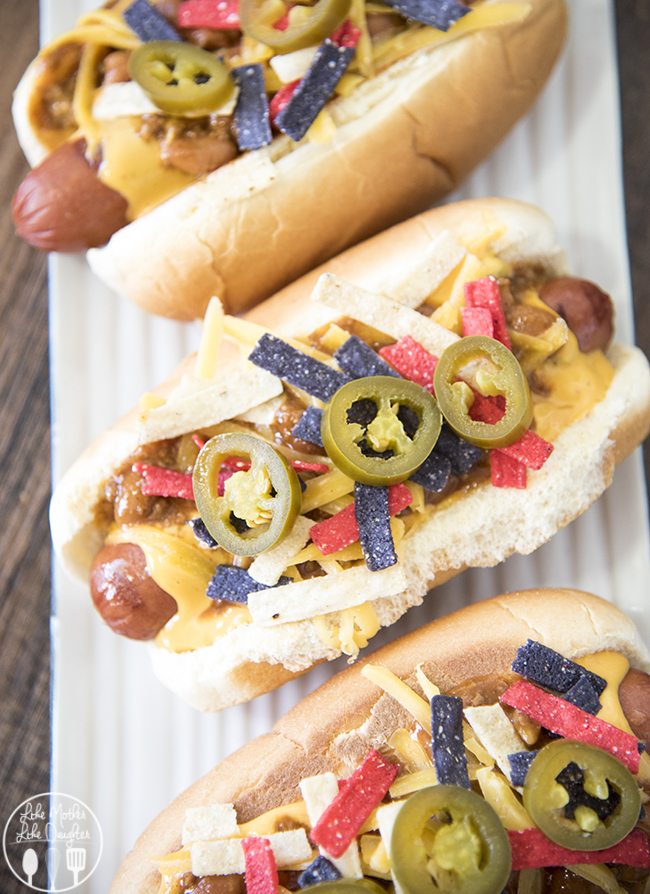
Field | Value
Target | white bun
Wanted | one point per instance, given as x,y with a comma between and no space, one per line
479,530
478,641
403,140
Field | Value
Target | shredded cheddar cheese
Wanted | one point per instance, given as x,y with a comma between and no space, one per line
207,358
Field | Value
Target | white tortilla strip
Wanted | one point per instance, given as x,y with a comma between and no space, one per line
414,286
227,857
322,595
268,567
382,313
209,823
495,733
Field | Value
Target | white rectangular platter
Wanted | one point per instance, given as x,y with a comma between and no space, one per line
124,745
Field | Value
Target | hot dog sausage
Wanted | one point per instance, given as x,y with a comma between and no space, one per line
634,695
588,310
62,205
126,596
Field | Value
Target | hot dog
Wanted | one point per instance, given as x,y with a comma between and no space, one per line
395,716
180,186
309,552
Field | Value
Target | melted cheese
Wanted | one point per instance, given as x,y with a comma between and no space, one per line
612,666
494,15
267,823
183,570
575,383
132,166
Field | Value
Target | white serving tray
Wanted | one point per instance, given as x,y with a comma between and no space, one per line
123,744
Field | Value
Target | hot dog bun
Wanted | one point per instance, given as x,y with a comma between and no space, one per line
478,641
403,140
481,529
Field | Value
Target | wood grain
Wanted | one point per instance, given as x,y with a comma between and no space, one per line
24,402
25,465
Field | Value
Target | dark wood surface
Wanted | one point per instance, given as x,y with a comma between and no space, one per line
24,402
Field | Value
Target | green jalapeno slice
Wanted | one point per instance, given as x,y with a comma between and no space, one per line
581,797
258,507
348,886
308,25
495,371
447,838
180,78
382,448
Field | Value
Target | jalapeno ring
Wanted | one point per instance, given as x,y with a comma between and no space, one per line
359,450
505,377
459,833
180,78
606,799
266,498
319,21
348,886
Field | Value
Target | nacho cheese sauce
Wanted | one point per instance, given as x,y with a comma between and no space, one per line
566,384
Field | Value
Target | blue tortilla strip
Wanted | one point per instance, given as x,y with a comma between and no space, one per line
373,519
148,23
462,455
308,427
447,744
358,360
201,533
319,870
298,369
440,14
548,668
252,123
583,695
520,763
434,473
314,90
231,584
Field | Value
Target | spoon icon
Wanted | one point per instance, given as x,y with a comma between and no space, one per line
30,864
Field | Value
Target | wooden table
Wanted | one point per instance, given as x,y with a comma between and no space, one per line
24,402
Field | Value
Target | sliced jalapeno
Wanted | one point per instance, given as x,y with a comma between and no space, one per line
496,371
380,429
258,507
348,886
452,835
308,25
180,78
580,796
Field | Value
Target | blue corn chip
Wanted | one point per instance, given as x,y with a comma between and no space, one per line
296,368
308,426
548,668
373,519
148,23
462,455
440,14
447,740
520,763
319,870
231,584
201,533
358,360
326,70
252,124
434,473
583,695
